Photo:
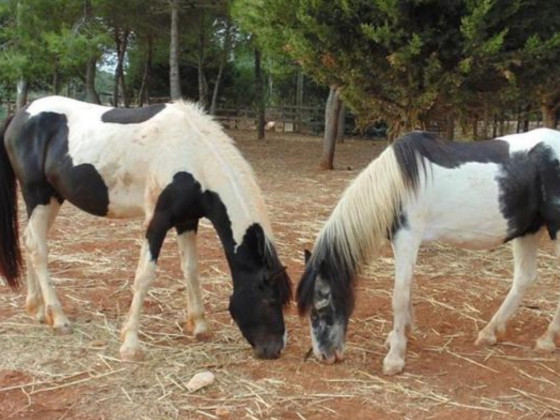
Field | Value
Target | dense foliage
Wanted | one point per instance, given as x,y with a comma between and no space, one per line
404,60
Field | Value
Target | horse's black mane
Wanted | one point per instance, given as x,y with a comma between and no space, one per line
279,275
339,273
443,153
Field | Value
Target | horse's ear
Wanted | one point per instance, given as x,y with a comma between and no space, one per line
306,255
260,244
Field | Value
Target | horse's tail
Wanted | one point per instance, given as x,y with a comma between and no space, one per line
10,254
361,222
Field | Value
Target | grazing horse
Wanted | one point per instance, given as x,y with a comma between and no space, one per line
169,163
421,189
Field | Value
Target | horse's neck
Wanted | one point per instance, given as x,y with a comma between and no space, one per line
215,210
234,204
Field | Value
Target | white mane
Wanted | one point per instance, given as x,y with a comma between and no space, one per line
227,172
369,204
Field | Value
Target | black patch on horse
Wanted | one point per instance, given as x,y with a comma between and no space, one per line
131,115
548,168
520,194
179,206
45,169
444,153
182,203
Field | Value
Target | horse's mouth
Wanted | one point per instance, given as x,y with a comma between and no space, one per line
337,356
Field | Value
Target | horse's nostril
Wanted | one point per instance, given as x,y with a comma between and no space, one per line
267,352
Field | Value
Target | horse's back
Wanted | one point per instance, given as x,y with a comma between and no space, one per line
483,194
93,156
526,141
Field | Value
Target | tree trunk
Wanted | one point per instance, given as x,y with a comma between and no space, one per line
21,98
526,119
450,126
259,93
56,81
340,125
548,111
21,86
475,128
174,76
124,45
486,120
502,126
121,42
91,66
299,100
332,109
144,94
223,60
91,93
202,82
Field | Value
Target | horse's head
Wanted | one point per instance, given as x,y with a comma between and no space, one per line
328,304
260,293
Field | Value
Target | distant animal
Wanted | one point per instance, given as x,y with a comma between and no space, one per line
170,163
421,189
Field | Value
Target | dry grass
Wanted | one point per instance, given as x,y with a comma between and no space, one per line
93,261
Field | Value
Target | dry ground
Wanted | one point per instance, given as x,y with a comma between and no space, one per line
44,376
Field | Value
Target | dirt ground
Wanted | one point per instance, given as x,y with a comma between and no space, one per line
79,376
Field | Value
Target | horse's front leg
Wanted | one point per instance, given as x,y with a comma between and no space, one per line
525,273
547,341
405,248
196,321
145,272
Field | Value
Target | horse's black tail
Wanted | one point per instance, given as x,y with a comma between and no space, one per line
10,254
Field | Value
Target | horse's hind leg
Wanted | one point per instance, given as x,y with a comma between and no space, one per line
34,303
405,247
547,341
196,321
40,220
525,273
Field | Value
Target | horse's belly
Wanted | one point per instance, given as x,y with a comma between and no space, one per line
125,203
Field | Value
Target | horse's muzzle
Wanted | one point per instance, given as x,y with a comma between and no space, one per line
268,351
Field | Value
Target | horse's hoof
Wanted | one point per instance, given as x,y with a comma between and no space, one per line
545,345
203,336
485,340
393,367
199,329
63,329
131,354
40,317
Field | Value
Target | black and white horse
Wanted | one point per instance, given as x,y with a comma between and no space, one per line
171,164
420,189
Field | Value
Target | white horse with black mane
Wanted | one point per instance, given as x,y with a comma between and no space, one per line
421,189
170,163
